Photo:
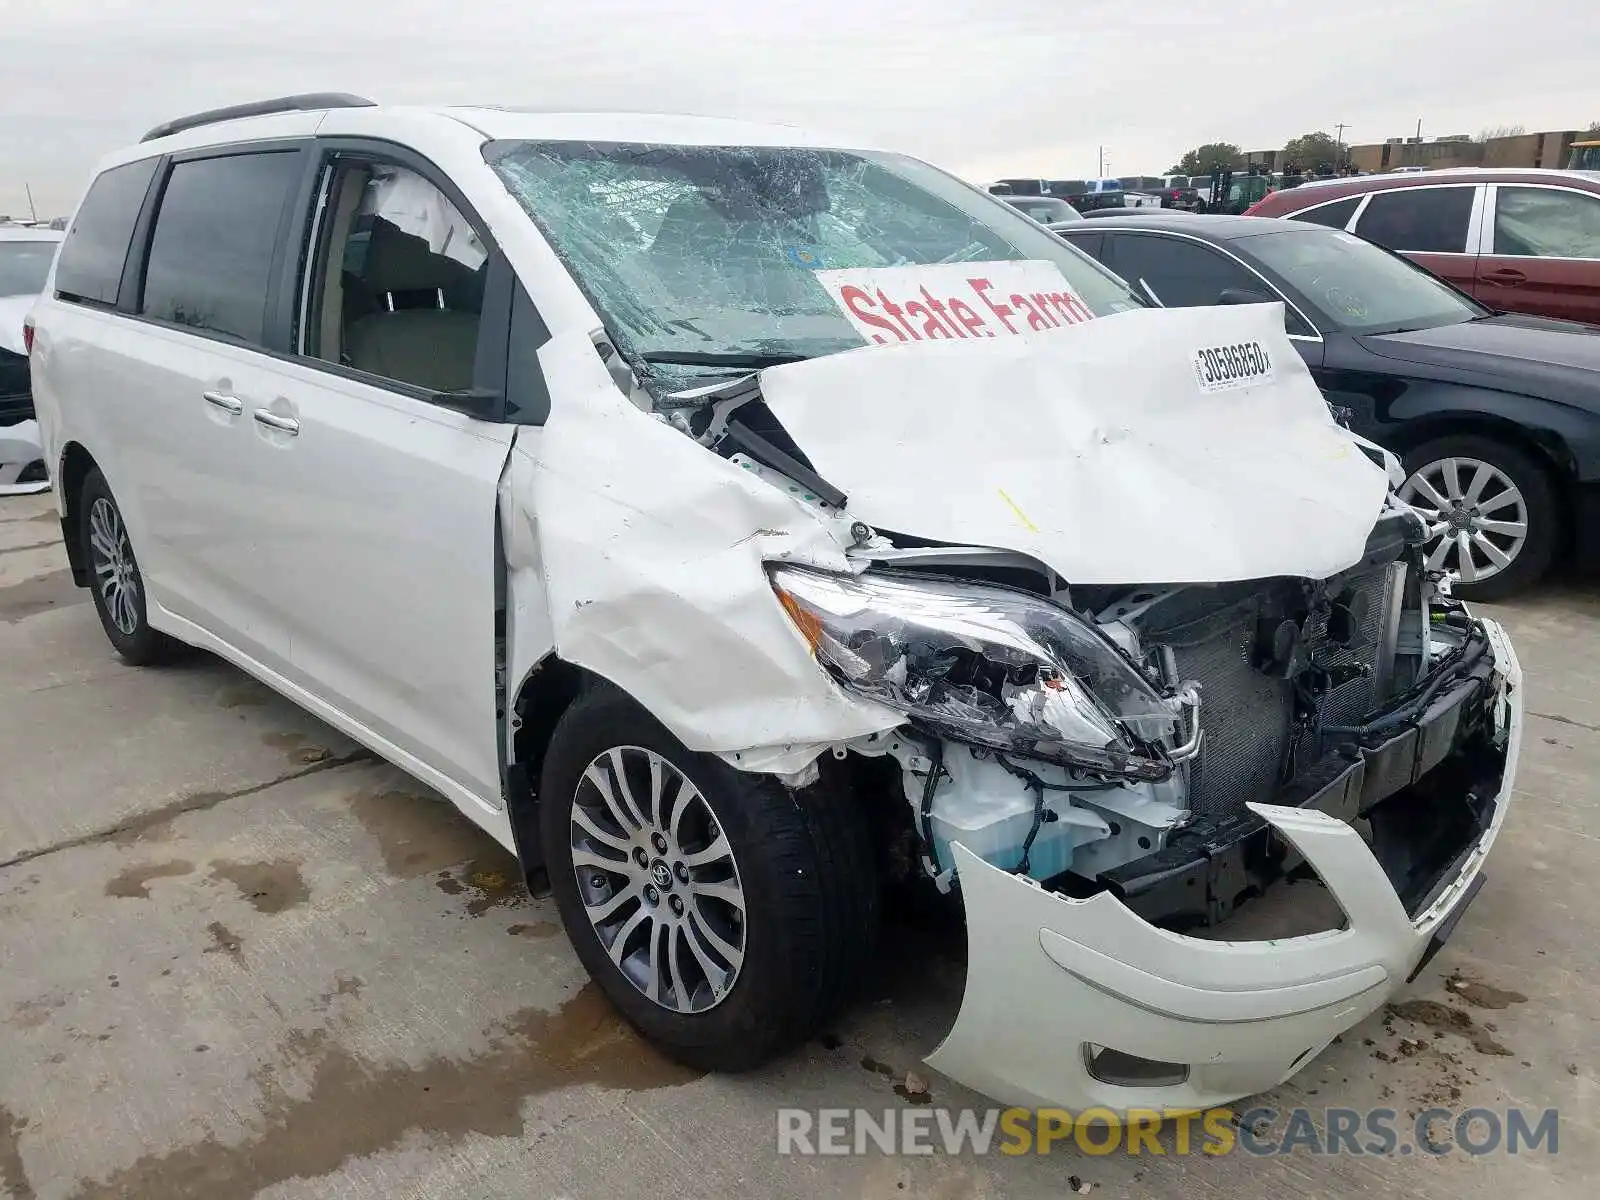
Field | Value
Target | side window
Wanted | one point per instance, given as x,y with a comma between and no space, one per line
96,248
1335,216
397,286
1089,243
1185,274
1545,223
216,232
1421,220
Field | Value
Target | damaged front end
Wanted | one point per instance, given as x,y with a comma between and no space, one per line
1113,731
1111,775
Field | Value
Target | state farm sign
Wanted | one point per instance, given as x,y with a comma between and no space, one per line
955,300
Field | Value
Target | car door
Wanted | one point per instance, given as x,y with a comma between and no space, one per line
1541,252
380,545
1435,226
188,374
1184,272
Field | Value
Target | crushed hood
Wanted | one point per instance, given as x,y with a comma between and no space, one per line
1158,446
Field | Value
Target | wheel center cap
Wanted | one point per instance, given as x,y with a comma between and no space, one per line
662,875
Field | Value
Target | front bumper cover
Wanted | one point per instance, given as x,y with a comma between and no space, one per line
1050,980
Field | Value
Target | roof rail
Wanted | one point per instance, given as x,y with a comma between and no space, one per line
305,102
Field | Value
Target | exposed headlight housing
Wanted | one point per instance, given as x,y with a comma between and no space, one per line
984,665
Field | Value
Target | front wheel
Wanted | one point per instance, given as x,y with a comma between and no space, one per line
1493,517
725,915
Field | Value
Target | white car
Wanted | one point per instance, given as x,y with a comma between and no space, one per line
25,255
735,521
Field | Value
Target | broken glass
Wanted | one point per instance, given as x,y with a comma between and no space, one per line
712,250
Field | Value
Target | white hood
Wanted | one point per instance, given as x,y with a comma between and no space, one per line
12,310
1100,449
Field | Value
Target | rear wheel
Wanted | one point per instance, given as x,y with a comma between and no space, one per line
115,580
724,915
1492,513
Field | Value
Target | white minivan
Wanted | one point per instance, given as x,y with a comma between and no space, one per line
736,522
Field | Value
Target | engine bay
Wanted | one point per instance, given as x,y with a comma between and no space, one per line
1365,695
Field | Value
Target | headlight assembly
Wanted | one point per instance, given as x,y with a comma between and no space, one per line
984,665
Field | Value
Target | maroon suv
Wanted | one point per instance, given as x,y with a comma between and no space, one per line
1518,240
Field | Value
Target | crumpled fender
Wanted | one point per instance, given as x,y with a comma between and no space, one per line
652,552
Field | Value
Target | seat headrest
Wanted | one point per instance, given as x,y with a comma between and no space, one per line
401,262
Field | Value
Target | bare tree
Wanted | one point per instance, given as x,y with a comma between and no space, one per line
1500,131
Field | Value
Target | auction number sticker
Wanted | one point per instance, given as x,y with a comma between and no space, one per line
1221,368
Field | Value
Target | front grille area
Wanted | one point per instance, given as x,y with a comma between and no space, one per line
1248,717
1348,703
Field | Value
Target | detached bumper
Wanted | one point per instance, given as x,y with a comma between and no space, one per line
1051,981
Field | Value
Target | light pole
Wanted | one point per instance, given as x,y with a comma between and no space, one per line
1338,147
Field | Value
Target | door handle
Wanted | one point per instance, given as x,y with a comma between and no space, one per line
273,421
227,403
1505,276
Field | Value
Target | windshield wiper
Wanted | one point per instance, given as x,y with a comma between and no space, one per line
715,358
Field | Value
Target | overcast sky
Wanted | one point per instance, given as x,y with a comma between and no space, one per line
987,88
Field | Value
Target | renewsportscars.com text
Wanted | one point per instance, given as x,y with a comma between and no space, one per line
1262,1132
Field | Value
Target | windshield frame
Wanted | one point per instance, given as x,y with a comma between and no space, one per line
1032,239
54,244
1247,245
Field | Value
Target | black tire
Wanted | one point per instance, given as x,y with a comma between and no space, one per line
138,644
810,892
1532,478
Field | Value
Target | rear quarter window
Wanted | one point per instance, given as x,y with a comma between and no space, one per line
1335,216
92,257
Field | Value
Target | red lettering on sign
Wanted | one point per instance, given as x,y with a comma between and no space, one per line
1042,301
939,309
1077,307
860,303
932,327
963,312
898,313
1037,320
1003,312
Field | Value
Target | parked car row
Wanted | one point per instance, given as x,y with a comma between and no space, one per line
1517,240
681,499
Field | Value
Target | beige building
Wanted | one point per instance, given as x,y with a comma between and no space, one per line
1548,150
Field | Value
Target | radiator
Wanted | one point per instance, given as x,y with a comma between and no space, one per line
1248,717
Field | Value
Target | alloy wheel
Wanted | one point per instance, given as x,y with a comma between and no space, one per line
1477,516
658,879
115,573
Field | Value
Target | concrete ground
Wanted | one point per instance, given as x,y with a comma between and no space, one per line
238,957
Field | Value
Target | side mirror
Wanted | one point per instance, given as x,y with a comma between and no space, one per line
484,403
1244,296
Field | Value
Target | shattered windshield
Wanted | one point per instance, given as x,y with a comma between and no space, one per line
709,254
